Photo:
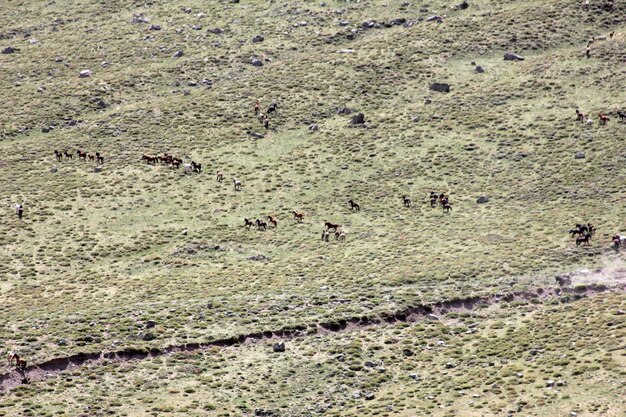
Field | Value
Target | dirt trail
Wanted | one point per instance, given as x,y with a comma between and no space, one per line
53,367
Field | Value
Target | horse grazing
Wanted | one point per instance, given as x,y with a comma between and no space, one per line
248,223
196,167
81,154
406,200
68,155
603,119
563,281
100,158
58,155
583,239
261,224
272,221
580,116
298,216
354,206
325,236
237,184
219,176
20,363
272,108
330,226
433,199
447,207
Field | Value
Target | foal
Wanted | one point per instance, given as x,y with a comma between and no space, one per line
237,184
447,207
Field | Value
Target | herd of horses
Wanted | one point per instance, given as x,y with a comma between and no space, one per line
65,155
172,161
584,232
585,118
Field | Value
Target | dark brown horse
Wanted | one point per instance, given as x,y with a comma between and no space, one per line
81,154
330,226
406,200
248,223
354,206
298,216
261,224
272,221
447,207
583,239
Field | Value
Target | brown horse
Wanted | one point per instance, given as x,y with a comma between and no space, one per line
354,206
330,226
248,223
584,239
603,119
20,363
67,155
81,154
298,216
272,221
261,224
100,158
447,207
58,155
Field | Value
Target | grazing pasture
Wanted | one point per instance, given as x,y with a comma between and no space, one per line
138,137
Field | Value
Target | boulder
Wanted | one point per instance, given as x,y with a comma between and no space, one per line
463,5
345,51
100,103
358,119
314,127
97,169
432,317
440,87
482,199
435,18
256,135
258,38
579,155
150,324
155,27
8,50
256,62
178,54
85,73
513,57
148,336
399,21
53,170
479,69
369,397
279,347
344,110
216,31
550,383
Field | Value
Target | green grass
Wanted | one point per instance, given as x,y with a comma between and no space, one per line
99,254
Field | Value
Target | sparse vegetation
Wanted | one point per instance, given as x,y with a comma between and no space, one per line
140,256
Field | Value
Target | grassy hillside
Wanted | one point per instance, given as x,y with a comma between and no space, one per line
100,254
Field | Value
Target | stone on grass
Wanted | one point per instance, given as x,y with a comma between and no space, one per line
482,199
550,383
256,135
256,62
279,347
314,127
53,170
479,69
579,155
150,324
345,51
178,54
369,397
155,27
258,38
97,169
84,73
8,50
440,87
358,119
513,57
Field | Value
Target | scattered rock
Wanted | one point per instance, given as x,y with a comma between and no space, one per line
314,127
279,347
482,199
479,69
256,135
550,383
620,312
178,54
100,103
62,342
53,170
513,57
33,41
259,258
435,18
407,352
150,324
155,27
427,100
85,73
356,394
432,317
561,383
139,18
148,336
192,83
207,82
46,129
344,23
184,232
440,87
8,50
344,110
579,155
415,376
415,119
449,365
216,31
196,27
398,22
256,62
463,5
369,397
370,24
358,119
258,38
97,169
369,364
345,51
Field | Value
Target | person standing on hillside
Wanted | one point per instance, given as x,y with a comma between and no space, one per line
19,210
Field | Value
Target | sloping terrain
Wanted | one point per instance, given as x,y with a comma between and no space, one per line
142,256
